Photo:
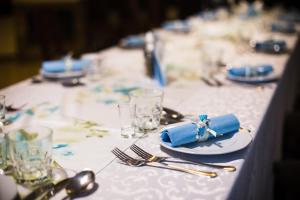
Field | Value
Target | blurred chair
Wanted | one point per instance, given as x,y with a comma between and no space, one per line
286,180
291,136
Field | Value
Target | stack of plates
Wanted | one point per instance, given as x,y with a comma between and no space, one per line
61,69
63,75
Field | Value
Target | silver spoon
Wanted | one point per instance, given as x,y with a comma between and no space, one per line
82,184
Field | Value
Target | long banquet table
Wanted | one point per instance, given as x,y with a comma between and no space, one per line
259,108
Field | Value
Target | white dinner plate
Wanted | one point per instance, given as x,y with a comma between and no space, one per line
222,145
255,79
63,75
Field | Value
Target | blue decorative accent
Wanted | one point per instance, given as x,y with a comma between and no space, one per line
97,89
202,129
202,117
14,117
250,13
288,28
53,109
125,90
207,15
271,46
177,25
157,70
293,16
29,112
109,101
192,132
68,153
250,71
58,146
58,66
133,41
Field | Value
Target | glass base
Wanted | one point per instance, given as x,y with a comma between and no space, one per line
127,132
32,178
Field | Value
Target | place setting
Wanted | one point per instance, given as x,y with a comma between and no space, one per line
68,71
166,102
27,163
252,74
214,136
205,136
26,156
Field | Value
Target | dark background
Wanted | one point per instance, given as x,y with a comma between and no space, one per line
35,30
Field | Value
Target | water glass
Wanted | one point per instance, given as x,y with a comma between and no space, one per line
94,70
30,151
147,108
2,108
126,119
3,153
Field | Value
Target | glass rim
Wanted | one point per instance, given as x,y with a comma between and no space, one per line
48,134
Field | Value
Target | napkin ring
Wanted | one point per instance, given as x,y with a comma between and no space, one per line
68,63
203,131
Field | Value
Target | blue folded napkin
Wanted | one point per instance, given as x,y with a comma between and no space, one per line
207,15
283,28
271,46
250,12
292,16
248,71
157,72
193,132
133,41
179,26
59,66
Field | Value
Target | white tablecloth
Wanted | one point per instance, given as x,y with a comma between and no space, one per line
259,108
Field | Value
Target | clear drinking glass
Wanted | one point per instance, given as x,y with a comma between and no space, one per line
94,70
147,108
3,142
30,151
3,153
2,108
126,119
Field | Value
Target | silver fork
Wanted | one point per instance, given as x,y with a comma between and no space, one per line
152,158
138,163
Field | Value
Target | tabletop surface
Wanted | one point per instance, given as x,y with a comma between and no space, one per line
71,111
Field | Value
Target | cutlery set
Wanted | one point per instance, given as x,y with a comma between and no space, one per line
12,108
82,184
67,82
211,81
164,162
170,116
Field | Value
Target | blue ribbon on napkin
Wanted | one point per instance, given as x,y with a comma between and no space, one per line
157,72
133,41
271,46
177,25
283,28
248,71
204,130
58,66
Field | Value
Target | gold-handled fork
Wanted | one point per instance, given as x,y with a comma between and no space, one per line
152,158
138,163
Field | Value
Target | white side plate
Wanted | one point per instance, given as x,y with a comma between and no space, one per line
222,145
63,75
255,79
